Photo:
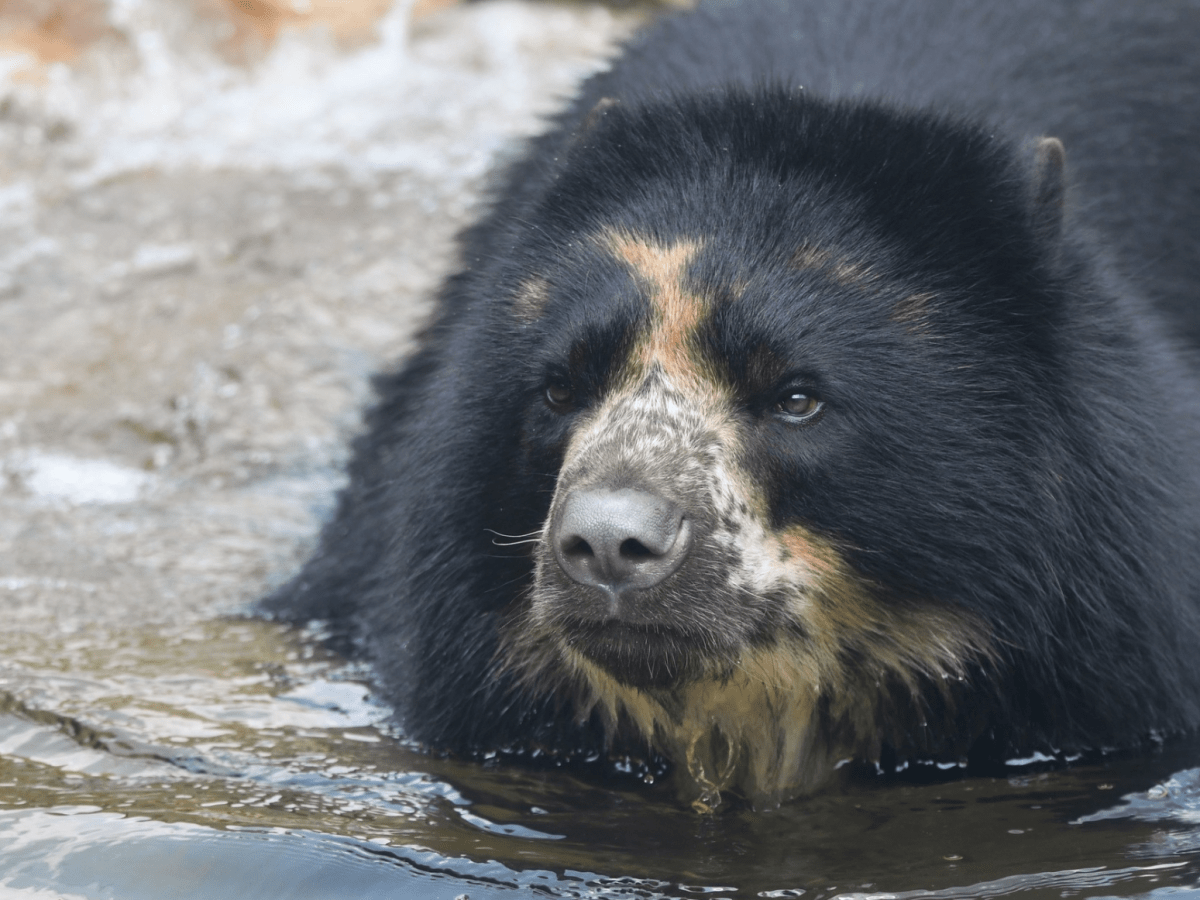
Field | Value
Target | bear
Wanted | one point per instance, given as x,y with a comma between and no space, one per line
819,386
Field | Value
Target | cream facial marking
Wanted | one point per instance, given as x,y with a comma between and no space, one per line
758,726
766,716
770,723
661,272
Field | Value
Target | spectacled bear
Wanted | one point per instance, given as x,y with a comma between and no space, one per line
819,386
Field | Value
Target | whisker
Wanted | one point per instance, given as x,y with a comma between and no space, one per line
514,536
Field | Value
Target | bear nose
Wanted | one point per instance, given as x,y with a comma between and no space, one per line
620,540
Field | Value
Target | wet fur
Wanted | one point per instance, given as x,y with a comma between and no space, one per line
988,542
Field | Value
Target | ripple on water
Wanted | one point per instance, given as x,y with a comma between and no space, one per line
238,757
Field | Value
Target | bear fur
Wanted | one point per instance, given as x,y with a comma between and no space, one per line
876,321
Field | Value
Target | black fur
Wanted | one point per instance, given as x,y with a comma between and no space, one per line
1026,448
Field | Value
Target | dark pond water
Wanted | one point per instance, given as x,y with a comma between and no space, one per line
212,228
236,758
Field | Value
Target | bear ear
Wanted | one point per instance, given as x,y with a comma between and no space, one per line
1049,188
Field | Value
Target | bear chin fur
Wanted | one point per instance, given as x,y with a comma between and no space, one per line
880,319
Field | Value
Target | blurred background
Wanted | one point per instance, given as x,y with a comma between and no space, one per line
217,217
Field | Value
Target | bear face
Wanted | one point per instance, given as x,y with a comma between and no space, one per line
763,430
713,432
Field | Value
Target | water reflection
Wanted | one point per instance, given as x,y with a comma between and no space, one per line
236,755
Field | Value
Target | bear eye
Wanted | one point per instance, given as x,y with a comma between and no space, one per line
559,396
798,406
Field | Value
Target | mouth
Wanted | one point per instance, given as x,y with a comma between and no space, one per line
641,656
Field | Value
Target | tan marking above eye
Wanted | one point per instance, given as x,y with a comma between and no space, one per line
913,311
842,269
530,300
810,257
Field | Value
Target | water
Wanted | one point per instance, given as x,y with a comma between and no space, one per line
235,758
213,227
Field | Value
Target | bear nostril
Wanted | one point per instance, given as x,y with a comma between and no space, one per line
619,540
635,549
577,547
